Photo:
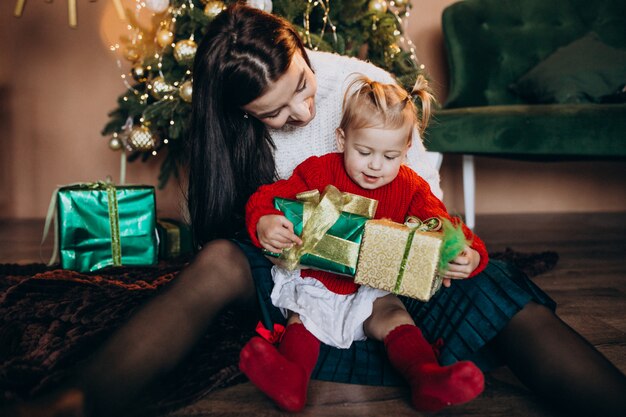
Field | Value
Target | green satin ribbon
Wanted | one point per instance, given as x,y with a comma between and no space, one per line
320,213
432,224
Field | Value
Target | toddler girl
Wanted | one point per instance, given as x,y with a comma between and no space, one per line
375,133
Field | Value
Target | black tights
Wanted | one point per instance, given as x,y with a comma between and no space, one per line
546,354
560,366
157,338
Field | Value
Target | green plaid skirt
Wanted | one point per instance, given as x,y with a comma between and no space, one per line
459,321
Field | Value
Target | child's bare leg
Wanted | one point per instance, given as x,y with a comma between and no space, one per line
432,386
387,314
282,373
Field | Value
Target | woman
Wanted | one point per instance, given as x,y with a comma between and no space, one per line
262,104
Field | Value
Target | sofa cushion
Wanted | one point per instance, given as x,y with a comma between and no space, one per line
583,71
490,44
538,130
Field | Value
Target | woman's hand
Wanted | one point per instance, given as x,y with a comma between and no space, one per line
275,233
462,266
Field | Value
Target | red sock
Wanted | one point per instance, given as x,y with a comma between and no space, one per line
432,386
282,374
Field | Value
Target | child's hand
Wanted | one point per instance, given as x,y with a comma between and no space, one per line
275,233
462,266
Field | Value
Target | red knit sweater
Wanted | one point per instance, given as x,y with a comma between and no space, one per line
407,195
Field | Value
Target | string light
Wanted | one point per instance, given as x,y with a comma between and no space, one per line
135,52
177,94
325,5
401,13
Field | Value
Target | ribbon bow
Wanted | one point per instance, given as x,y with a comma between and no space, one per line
273,336
432,224
319,215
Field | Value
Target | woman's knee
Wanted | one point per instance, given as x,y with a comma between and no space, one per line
221,266
534,314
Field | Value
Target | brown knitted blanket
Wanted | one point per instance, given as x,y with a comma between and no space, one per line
52,320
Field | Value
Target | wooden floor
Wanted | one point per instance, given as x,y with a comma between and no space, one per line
589,283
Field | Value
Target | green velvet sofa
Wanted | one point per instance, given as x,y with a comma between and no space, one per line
493,47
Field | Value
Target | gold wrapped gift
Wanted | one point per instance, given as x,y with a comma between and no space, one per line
399,259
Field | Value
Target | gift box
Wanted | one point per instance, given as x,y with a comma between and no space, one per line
400,259
175,239
100,224
330,226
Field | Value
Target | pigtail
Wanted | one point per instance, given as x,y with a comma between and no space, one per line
422,91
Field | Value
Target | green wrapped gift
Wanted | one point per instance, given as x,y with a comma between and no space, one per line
174,239
100,224
330,226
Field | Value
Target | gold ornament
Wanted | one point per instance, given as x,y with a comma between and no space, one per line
139,73
164,37
401,5
141,139
158,87
186,91
394,49
132,54
115,144
377,6
213,8
184,51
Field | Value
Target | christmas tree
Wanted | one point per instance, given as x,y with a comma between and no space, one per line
152,115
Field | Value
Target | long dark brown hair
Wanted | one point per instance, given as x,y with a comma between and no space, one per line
230,153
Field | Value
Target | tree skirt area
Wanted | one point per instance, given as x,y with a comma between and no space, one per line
51,320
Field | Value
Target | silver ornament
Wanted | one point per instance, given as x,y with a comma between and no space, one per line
157,6
265,5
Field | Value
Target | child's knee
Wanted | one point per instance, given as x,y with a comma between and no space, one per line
387,314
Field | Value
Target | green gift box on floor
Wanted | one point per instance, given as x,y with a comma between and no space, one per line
100,225
330,226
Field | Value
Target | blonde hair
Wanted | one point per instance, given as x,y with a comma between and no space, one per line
368,103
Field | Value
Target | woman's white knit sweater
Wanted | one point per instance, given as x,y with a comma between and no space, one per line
334,73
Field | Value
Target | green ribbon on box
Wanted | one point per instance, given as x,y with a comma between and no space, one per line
330,226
